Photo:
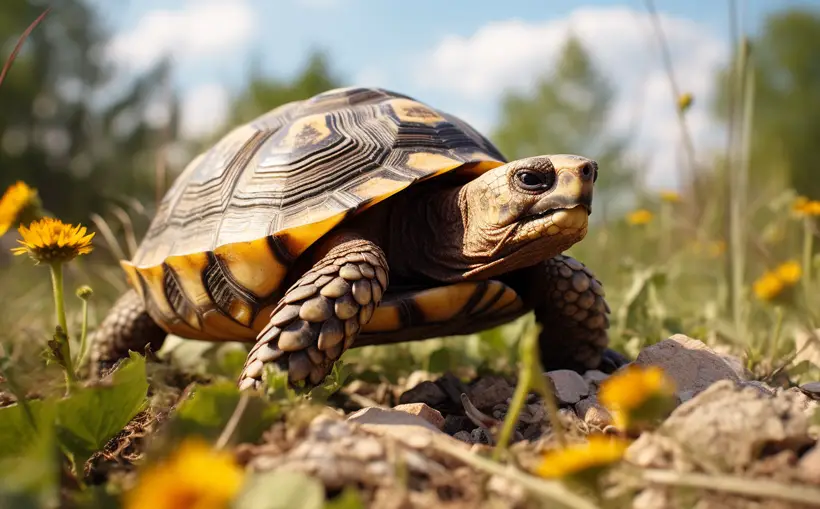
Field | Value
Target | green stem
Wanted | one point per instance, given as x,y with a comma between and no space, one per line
83,335
59,304
808,247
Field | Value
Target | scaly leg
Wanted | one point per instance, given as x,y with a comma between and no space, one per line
126,327
320,316
569,304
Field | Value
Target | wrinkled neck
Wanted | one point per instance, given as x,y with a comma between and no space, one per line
427,235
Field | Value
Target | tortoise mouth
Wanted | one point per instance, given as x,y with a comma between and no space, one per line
553,210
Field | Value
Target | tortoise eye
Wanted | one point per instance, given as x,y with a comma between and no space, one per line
534,180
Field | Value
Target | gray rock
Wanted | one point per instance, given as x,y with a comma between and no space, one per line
425,392
593,413
569,386
430,415
725,427
488,391
594,378
690,363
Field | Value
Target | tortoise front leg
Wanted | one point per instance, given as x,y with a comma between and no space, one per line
320,316
569,304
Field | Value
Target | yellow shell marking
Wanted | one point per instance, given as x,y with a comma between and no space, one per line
375,187
224,329
508,297
441,304
189,268
241,311
429,162
156,288
253,266
306,131
411,111
385,318
132,276
493,289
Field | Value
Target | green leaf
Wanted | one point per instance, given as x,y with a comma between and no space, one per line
91,416
281,490
20,431
29,456
210,408
333,383
348,499
439,361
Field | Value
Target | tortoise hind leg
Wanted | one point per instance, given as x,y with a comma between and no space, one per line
319,317
569,304
126,327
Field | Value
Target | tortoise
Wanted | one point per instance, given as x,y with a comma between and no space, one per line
361,216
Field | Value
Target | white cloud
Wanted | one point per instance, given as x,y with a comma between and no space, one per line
204,108
319,4
512,54
198,30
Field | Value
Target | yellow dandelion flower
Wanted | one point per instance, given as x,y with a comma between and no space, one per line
17,199
802,207
774,284
639,217
592,457
637,395
685,101
670,196
194,477
768,286
812,208
49,240
789,273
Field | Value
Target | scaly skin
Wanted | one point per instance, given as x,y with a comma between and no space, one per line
321,314
126,327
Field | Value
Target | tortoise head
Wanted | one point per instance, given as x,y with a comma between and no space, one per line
527,211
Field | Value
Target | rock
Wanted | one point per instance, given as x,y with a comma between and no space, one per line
736,364
464,436
410,429
806,402
455,423
724,427
760,386
569,386
594,378
425,392
430,415
593,413
489,391
811,389
388,417
809,465
690,363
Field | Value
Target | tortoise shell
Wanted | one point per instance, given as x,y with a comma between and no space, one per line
238,216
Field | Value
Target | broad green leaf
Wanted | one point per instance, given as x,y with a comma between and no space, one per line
281,490
91,416
17,431
348,499
29,457
210,408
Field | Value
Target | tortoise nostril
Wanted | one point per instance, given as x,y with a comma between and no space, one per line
587,170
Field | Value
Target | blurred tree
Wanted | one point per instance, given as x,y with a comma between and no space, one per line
66,126
265,93
567,112
786,127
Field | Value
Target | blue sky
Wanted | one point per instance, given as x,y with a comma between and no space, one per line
458,56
